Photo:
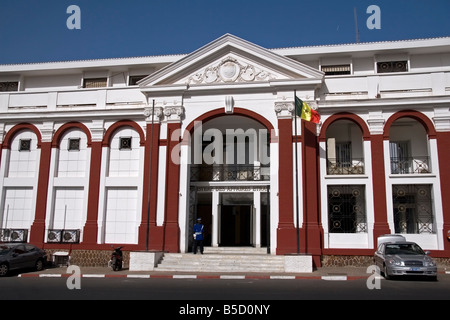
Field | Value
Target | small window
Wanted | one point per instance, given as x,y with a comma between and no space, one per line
125,143
336,70
133,80
9,86
392,66
95,83
74,144
25,145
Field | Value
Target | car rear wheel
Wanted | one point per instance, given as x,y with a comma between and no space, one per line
39,265
4,268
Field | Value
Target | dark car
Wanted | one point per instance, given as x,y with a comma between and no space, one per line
404,259
20,256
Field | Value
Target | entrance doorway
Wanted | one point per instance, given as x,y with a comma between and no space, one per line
236,219
231,218
235,227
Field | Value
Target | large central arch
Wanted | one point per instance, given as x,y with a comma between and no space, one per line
218,196
237,111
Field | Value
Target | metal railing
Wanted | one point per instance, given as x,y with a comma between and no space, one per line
63,235
13,235
229,173
410,165
337,167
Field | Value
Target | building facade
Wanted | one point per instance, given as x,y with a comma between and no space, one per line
131,151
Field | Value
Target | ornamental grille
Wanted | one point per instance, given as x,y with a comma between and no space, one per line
392,66
25,145
347,209
74,144
413,209
95,83
9,86
336,70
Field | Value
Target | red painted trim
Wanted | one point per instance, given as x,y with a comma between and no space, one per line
123,123
311,194
38,227
237,111
286,232
20,127
91,227
420,117
155,239
379,188
171,227
443,146
344,116
67,126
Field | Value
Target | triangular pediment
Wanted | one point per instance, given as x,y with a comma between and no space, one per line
227,60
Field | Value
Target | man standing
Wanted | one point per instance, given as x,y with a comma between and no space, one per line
198,236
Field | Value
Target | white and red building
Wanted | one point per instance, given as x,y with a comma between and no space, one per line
115,151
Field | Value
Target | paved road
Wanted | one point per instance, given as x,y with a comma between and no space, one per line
219,298
219,289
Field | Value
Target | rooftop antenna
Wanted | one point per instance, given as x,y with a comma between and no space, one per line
356,26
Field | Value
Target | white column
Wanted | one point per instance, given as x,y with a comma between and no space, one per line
257,221
183,209
215,218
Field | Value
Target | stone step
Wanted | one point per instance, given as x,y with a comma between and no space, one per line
220,269
235,250
236,259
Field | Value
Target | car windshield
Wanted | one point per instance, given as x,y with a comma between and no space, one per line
403,248
4,250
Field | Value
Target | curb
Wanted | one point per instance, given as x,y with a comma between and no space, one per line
189,276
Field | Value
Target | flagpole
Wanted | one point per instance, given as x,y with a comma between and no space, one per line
296,174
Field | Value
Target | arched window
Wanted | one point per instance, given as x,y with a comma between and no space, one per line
345,154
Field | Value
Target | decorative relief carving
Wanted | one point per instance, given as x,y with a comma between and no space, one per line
229,104
156,116
284,109
174,113
230,70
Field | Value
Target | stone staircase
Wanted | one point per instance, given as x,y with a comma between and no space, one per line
223,259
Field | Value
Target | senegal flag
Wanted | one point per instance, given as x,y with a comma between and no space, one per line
305,112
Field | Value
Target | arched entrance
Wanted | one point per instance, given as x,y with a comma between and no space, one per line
229,181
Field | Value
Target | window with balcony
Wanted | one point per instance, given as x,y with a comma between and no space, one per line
408,148
344,149
231,148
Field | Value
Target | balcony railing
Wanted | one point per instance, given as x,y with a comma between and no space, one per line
63,236
229,173
410,165
13,235
337,167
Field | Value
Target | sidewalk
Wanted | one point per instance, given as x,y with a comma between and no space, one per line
323,273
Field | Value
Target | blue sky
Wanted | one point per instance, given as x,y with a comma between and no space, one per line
36,30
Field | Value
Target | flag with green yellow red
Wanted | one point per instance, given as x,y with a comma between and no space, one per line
305,112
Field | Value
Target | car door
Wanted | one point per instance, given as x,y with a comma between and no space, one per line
31,255
17,259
